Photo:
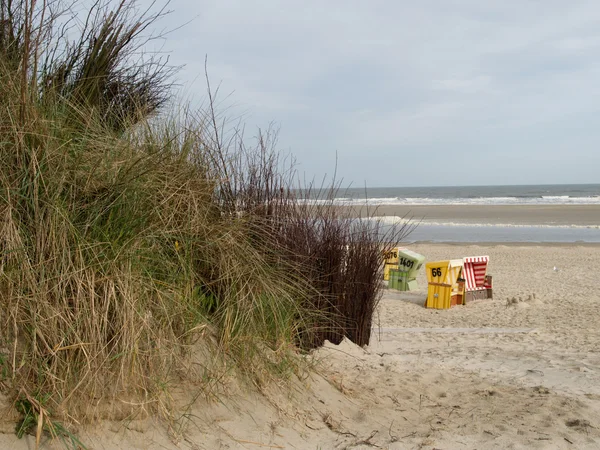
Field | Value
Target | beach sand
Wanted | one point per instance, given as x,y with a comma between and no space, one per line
558,215
489,375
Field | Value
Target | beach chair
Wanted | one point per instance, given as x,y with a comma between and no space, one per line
390,261
445,287
478,284
401,268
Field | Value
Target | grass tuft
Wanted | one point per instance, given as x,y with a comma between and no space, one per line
139,253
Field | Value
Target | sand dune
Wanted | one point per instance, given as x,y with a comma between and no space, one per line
495,374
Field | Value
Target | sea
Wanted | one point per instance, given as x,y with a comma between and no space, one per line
564,194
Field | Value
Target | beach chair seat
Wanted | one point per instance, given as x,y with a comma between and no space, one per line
478,284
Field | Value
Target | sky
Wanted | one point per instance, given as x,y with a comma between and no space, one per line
404,93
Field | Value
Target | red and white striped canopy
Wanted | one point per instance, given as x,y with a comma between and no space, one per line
474,268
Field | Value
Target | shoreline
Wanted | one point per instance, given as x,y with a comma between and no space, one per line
534,215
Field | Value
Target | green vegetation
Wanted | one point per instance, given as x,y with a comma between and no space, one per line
132,243
35,416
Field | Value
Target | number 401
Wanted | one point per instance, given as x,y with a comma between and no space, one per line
436,272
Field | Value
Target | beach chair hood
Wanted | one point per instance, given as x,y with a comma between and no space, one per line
474,271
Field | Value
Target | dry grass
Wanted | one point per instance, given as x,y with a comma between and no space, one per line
124,249
336,258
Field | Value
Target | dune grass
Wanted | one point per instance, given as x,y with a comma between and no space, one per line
128,241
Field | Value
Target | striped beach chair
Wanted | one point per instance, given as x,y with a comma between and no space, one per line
478,284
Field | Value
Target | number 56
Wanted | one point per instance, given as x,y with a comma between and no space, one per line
436,272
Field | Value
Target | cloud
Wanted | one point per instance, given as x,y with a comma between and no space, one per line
380,78
471,85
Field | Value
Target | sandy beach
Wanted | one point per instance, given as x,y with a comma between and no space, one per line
494,374
558,215
191,249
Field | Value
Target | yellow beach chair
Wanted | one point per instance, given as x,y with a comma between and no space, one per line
401,268
445,287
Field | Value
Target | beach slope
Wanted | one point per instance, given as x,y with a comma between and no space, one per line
520,371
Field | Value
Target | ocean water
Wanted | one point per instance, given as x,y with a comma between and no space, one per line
456,231
566,194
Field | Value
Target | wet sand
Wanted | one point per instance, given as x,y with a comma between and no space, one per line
558,215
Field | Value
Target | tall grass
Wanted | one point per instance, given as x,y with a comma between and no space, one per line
128,243
337,256
114,255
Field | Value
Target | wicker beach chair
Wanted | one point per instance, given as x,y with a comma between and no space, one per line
444,286
478,284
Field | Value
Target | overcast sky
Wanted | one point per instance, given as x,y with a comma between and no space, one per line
408,93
